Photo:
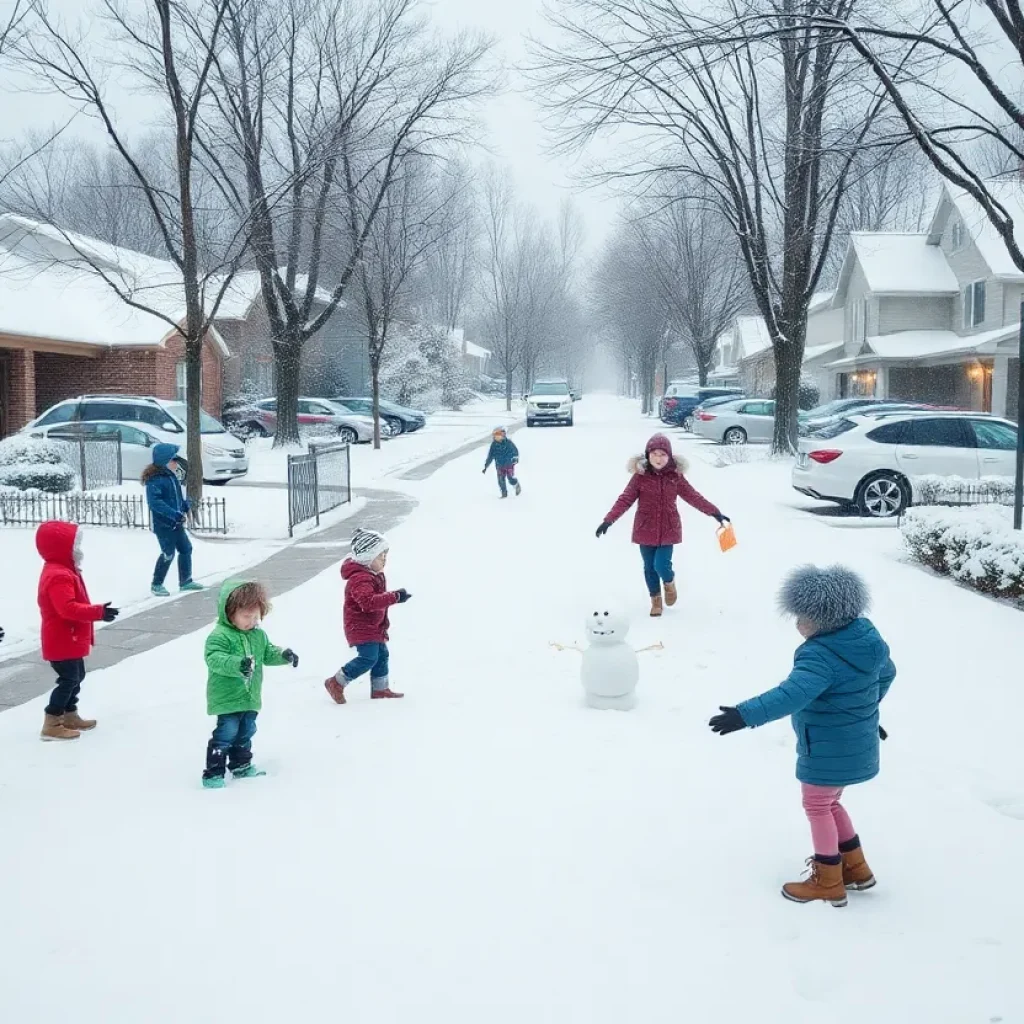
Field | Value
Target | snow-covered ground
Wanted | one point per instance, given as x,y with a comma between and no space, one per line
487,849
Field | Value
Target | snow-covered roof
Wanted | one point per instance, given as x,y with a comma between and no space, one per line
49,290
752,334
244,290
1010,193
928,345
821,300
817,351
896,263
477,351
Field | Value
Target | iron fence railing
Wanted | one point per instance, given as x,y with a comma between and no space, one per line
95,459
126,511
318,481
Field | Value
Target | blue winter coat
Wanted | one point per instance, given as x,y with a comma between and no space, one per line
502,453
832,694
167,505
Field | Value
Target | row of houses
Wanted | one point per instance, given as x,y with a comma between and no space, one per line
932,316
66,330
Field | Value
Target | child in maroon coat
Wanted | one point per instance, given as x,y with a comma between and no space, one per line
657,481
367,600
67,630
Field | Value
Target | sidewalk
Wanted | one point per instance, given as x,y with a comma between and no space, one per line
24,678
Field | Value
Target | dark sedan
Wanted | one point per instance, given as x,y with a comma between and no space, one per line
402,419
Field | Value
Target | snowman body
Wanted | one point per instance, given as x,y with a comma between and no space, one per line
611,669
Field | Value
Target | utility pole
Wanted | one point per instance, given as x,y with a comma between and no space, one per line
1018,480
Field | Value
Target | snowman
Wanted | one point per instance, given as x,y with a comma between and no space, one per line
611,669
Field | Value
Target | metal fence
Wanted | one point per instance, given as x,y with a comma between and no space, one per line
95,460
318,481
125,511
993,491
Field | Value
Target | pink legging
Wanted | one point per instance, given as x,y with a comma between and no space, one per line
830,824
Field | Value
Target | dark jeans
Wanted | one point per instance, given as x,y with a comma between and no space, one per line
69,682
507,473
173,540
657,566
372,658
231,743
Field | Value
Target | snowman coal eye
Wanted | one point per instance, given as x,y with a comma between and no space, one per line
606,615
596,614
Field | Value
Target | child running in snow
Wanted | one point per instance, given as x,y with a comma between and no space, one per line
840,675
168,511
657,481
505,456
67,632
367,600
236,652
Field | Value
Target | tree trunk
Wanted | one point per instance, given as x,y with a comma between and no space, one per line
287,367
193,405
703,369
508,392
789,354
375,392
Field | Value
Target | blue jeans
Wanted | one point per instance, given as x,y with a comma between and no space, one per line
231,743
173,540
657,566
372,658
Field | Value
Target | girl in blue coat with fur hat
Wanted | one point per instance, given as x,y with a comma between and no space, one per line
840,674
168,512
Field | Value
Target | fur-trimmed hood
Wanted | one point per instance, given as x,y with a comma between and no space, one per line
639,464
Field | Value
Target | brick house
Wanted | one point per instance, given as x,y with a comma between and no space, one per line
65,332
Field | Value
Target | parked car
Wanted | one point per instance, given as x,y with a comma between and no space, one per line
402,419
224,455
549,401
737,422
870,460
136,442
243,419
712,402
320,414
812,419
680,400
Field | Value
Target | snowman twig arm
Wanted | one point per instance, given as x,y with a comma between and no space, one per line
562,647
659,646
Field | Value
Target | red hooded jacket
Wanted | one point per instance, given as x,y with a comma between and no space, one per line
67,615
657,519
367,601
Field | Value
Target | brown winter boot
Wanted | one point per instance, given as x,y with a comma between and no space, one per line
54,729
73,721
825,883
856,873
656,607
671,594
335,689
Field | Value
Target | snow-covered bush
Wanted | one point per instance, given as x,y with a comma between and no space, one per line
975,545
34,464
422,367
953,490
809,395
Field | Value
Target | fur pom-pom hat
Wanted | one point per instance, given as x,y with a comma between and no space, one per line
830,597
367,545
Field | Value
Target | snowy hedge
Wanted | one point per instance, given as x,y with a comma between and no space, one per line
32,464
951,490
976,545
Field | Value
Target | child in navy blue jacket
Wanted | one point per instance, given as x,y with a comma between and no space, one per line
505,456
840,675
168,512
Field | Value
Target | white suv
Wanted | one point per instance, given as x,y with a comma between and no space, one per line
549,401
224,455
871,460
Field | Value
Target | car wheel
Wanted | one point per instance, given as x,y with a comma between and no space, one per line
245,431
571,421
687,424
348,435
530,423
882,496
735,435
397,427
219,483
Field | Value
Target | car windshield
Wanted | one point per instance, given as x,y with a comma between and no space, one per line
207,424
550,388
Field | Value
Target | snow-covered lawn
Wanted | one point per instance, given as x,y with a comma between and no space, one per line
487,850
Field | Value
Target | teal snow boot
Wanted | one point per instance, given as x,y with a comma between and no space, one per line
160,591
250,771
217,782
191,587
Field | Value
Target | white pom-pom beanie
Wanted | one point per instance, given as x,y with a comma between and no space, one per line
367,545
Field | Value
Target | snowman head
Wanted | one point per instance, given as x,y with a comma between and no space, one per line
606,625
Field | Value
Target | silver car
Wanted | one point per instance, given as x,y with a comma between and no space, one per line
749,419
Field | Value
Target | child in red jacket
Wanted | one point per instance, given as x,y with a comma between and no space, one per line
657,482
367,601
67,630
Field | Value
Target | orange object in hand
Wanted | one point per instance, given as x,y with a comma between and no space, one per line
726,537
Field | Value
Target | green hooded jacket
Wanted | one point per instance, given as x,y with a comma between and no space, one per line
227,691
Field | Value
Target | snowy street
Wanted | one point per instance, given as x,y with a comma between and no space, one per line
488,851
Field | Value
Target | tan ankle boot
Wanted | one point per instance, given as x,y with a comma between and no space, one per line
73,721
656,607
825,883
671,594
54,729
856,873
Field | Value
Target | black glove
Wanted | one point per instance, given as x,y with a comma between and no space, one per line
109,614
248,665
403,595
722,520
1,633
882,734
603,529
729,721
291,657
515,461
486,468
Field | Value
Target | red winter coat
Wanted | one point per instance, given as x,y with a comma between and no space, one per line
366,604
657,519
67,615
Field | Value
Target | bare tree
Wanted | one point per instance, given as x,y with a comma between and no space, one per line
767,125
321,105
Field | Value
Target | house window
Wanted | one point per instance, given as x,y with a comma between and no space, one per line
974,304
859,311
181,381
956,235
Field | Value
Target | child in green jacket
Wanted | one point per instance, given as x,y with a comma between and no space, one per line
236,652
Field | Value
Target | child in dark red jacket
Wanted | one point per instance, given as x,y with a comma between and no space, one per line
657,481
367,601
67,630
